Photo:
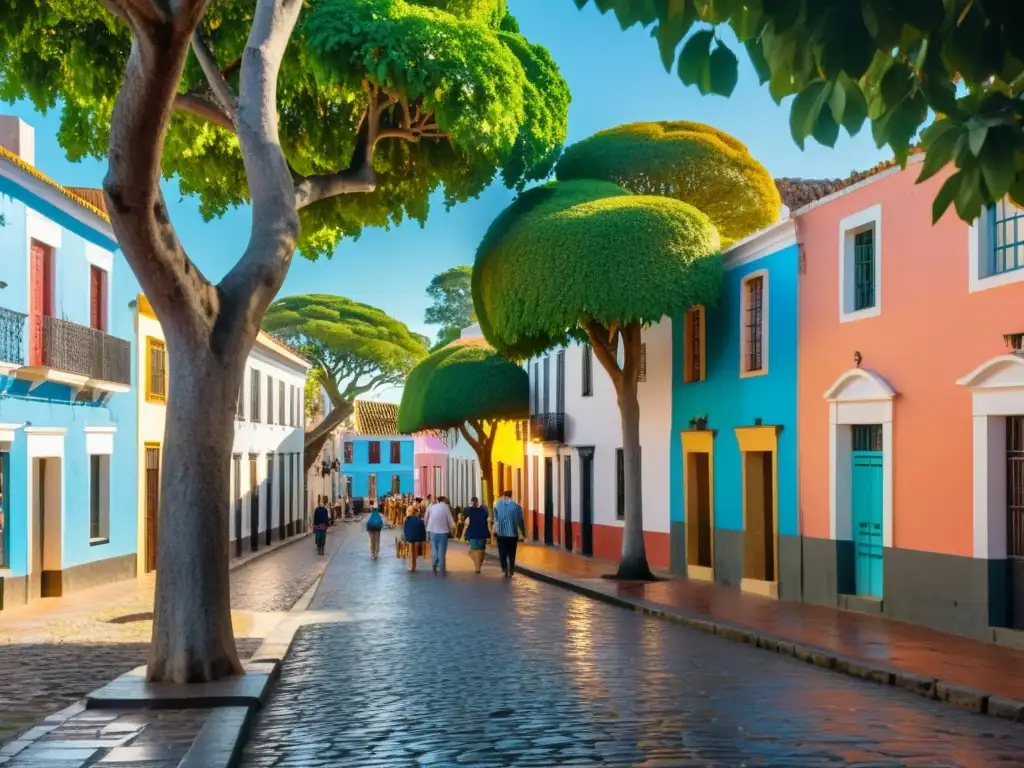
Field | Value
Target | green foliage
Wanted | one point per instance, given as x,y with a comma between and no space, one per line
499,103
355,348
465,381
451,292
691,162
893,63
312,394
574,251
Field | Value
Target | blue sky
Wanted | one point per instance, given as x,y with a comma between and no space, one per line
615,77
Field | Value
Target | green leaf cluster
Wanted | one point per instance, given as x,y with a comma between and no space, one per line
464,381
451,295
691,162
894,63
499,103
570,252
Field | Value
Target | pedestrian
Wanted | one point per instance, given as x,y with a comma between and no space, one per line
374,525
321,519
439,524
415,533
509,529
476,532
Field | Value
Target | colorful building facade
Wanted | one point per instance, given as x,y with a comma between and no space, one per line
376,458
67,418
732,454
431,457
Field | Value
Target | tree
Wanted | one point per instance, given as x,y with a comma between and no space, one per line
379,101
354,348
452,295
897,64
586,258
470,387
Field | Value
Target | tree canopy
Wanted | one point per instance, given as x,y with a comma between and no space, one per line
466,381
391,98
451,292
896,64
692,162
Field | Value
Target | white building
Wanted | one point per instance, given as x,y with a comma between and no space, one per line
574,493
267,489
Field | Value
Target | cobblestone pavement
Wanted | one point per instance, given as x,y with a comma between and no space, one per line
52,657
464,670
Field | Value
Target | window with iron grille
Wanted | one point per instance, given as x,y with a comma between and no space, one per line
588,371
396,452
156,373
374,452
754,324
560,382
643,362
547,385
280,404
536,387
867,437
864,270
270,400
1007,237
254,395
1015,486
348,453
99,498
693,327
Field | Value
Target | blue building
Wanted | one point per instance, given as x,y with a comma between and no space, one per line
376,459
67,420
734,516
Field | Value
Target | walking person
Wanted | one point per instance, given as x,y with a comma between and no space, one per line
476,531
321,519
415,533
510,529
439,525
374,525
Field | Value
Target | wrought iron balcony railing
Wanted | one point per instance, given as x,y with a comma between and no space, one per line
74,348
547,427
12,337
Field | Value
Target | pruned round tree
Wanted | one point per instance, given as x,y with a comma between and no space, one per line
588,258
354,348
291,106
470,387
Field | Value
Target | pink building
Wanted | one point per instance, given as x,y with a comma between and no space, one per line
431,457
911,406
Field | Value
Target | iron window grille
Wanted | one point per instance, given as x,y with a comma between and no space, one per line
864,270
1015,486
588,371
1007,236
867,437
156,386
755,323
12,334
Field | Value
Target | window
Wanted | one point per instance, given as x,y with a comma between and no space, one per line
5,508
588,371
620,484
867,437
99,498
280,404
374,452
560,382
693,346
547,386
643,362
1007,237
348,452
97,298
438,486
1015,486
536,387
270,400
156,370
396,451
240,403
754,343
372,486
860,265
254,395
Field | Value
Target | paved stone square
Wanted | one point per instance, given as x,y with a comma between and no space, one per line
421,669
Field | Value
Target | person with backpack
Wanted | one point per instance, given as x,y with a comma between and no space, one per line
321,519
374,525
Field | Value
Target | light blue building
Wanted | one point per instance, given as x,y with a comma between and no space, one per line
376,459
68,470
734,516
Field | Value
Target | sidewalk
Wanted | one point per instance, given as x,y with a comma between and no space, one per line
982,677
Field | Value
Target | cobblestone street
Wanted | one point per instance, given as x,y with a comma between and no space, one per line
53,655
466,670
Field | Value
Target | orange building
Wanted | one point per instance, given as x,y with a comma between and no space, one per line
911,406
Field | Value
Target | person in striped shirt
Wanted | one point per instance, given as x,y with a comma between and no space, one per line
509,528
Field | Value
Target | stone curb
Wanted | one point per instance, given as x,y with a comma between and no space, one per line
970,699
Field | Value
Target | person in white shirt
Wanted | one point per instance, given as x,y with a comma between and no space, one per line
439,523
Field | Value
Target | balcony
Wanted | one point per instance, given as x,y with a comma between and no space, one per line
12,340
80,357
547,427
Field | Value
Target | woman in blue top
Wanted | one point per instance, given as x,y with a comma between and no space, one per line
477,531
414,531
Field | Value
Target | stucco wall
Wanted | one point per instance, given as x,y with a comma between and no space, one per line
360,468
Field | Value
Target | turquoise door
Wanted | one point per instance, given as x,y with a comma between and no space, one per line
867,522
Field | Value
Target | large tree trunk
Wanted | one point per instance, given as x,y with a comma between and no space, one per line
484,454
192,633
317,436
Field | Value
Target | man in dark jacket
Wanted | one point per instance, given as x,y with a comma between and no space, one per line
321,519
414,531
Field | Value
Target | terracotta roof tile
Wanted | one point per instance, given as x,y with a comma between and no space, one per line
376,418
72,193
796,193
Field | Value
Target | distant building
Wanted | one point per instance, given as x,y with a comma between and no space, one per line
376,458
67,418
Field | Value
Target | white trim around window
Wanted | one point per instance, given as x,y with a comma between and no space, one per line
979,253
849,228
765,306
99,440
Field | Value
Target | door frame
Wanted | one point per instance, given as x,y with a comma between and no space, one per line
699,441
761,439
853,522
586,458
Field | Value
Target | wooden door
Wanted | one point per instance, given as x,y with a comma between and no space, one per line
549,503
567,489
152,504
587,502
254,506
37,302
98,299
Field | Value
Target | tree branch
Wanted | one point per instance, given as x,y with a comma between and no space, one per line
200,107
605,346
473,442
218,85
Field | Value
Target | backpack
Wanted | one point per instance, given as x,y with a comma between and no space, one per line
374,522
